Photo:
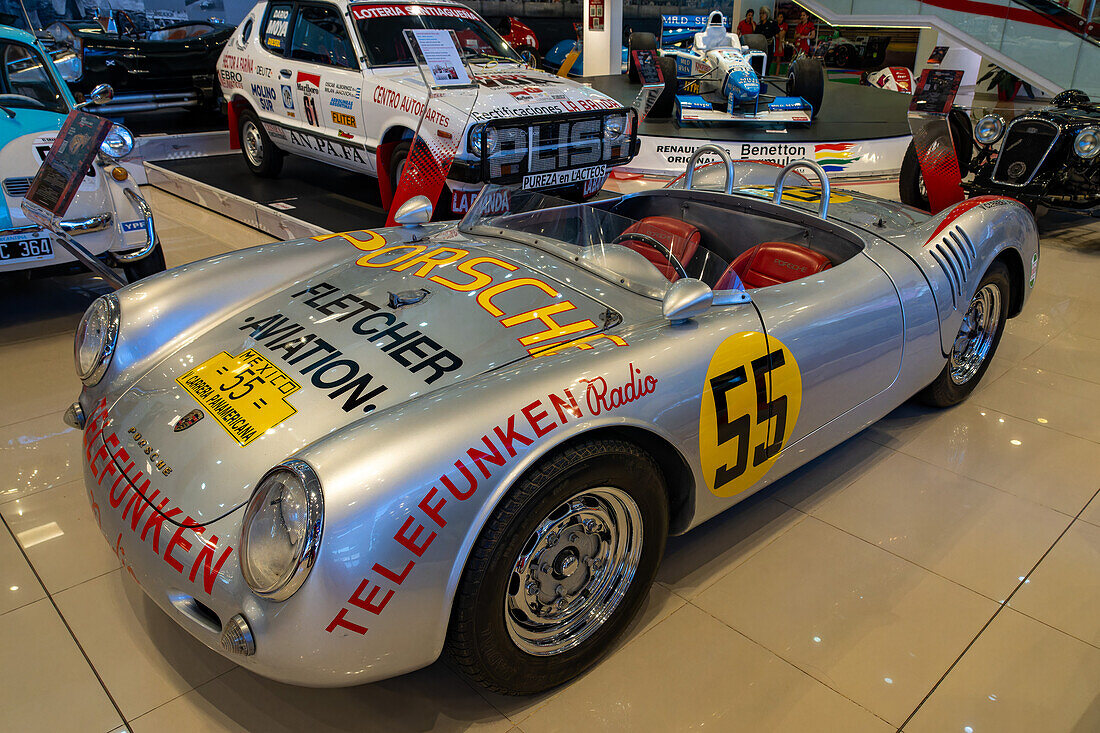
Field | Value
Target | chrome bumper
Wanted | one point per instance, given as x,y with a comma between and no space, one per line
151,240
96,223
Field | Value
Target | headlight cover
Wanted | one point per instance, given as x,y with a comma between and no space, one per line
118,143
95,340
475,139
281,533
614,126
989,129
1087,143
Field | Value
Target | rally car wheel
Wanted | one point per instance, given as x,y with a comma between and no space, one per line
911,182
260,154
663,106
398,156
150,264
806,79
560,569
974,346
638,42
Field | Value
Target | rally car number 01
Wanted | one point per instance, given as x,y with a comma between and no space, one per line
751,399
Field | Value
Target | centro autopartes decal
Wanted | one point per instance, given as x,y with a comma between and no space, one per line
742,431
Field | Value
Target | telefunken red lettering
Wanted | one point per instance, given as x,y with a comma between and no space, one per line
128,490
496,449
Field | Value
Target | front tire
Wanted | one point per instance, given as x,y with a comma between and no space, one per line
974,346
150,264
806,79
561,568
398,157
911,188
260,154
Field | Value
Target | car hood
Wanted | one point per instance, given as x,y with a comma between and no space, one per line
515,90
329,350
27,122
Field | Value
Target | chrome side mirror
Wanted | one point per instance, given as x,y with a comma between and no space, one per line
686,299
414,212
102,94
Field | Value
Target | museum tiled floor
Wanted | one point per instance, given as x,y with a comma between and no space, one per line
938,572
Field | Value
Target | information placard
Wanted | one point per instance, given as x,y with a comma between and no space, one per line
441,57
68,161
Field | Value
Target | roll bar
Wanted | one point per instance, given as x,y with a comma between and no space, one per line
777,197
716,150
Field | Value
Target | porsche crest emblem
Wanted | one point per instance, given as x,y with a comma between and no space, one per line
188,420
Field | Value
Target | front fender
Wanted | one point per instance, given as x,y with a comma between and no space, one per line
408,491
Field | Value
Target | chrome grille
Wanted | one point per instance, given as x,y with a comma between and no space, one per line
955,255
17,186
1027,143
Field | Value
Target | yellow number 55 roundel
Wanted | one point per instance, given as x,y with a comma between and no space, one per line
750,404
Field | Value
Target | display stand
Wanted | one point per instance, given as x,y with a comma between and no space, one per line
939,164
450,85
653,81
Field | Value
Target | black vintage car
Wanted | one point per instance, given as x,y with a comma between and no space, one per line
1049,157
150,69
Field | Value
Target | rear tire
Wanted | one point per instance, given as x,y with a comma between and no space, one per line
977,341
150,264
638,42
663,106
260,154
806,79
542,597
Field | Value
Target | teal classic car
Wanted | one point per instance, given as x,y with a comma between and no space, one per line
108,217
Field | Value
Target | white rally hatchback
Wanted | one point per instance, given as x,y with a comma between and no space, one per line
336,81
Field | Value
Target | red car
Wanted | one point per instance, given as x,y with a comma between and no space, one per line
522,39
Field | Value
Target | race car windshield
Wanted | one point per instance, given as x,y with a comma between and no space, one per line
629,253
381,28
26,82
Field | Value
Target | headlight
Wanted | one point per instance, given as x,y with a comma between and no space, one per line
1087,143
282,530
118,143
475,139
989,129
95,339
613,127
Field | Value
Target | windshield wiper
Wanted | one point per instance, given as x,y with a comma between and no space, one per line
10,113
490,56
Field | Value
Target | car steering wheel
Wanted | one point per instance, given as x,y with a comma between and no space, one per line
646,239
21,100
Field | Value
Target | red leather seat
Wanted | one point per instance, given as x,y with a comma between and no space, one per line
772,263
681,238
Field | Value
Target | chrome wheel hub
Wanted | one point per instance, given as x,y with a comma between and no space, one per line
975,340
253,144
573,571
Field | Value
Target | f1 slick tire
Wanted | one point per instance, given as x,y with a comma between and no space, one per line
638,42
806,79
260,154
755,41
560,568
663,106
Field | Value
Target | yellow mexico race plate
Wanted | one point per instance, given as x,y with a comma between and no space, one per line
750,405
246,393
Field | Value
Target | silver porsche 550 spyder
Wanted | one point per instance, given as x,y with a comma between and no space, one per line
335,459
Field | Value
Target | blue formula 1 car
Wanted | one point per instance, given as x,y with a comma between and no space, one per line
713,76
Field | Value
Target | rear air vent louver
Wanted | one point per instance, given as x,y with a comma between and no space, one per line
17,186
955,254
